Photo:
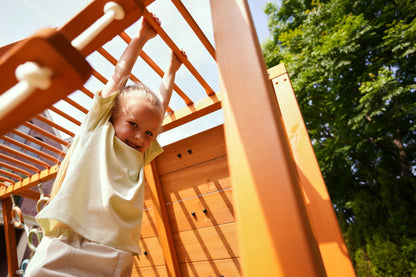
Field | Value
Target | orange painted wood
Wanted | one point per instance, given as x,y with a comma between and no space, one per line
189,214
206,244
19,162
37,141
186,114
27,183
10,237
197,180
45,133
324,222
149,228
194,26
14,168
31,149
91,13
11,175
47,48
154,254
269,204
224,267
22,155
156,271
162,220
64,115
193,150
54,125
163,35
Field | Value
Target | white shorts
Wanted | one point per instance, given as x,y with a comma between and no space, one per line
69,254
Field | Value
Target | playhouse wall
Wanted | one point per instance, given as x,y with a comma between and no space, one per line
196,186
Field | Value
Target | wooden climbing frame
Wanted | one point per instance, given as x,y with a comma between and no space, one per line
246,198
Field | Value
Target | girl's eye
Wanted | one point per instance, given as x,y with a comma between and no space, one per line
132,124
149,133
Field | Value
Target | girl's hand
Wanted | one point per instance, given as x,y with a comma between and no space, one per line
175,62
146,31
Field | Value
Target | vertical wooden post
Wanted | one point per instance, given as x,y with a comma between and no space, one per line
322,215
162,221
10,236
275,235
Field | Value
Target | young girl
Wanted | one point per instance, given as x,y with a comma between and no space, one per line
92,225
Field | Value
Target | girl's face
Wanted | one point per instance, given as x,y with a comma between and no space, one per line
137,122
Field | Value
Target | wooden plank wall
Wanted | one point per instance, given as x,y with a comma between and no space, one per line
198,194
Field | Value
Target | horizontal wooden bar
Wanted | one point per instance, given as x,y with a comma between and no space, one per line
29,182
22,155
194,26
45,133
15,168
193,150
196,180
64,115
75,104
203,107
154,253
54,125
177,52
19,162
31,149
37,141
11,175
206,244
220,267
151,271
211,209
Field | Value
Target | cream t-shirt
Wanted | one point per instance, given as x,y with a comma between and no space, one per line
102,195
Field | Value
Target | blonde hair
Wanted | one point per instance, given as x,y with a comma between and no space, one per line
139,90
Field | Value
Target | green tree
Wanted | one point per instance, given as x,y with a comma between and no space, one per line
353,68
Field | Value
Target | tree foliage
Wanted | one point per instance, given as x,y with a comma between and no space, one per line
353,68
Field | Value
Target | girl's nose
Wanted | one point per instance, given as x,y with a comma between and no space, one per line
138,136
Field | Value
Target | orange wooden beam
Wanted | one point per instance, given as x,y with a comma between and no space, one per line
29,182
194,26
162,221
203,107
163,35
275,236
91,13
47,48
10,237
322,215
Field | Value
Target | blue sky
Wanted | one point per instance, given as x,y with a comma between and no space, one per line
21,18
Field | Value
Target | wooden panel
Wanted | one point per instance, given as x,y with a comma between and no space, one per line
197,180
210,243
324,222
156,271
10,237
225,267
193,150
148,224
270,208
152,254
162,221
218,207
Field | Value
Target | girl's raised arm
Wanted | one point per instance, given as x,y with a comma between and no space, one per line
166,85
129,57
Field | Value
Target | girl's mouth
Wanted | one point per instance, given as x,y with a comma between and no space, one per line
132,145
